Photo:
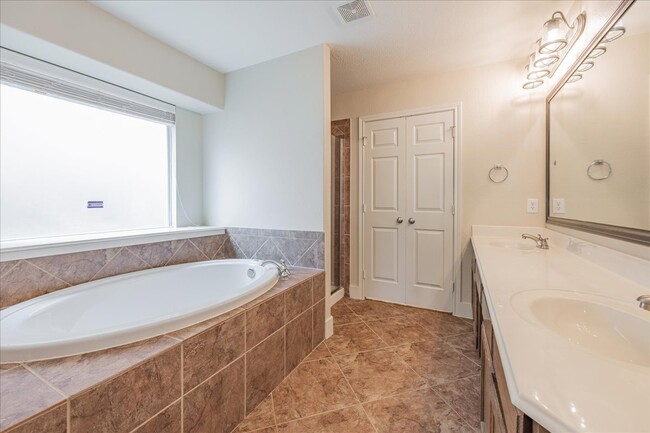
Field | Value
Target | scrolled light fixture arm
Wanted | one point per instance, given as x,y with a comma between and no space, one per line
551,49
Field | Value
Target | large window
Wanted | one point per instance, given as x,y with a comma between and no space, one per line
70,167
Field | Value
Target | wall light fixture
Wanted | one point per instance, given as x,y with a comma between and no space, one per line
558,38
588,63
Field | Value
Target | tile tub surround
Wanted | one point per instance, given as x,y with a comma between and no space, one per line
204,378
305,249
21,280
374,385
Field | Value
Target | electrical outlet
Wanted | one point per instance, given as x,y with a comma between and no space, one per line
532,206
558,205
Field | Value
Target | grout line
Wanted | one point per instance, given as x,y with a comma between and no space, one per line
106,264
48,273
369,420
156,414
11,268
314,415
266,240
119,373
199,249
214,374
245,363
182,386
175,252
347,381
284,256
453,409
236,245
275,418
47,382
306,251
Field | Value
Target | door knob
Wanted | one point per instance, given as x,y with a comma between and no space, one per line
411,221
400,220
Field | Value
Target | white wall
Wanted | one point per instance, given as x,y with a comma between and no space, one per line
82,37
501,124
263,156
189,168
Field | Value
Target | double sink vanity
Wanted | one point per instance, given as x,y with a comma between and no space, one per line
564,345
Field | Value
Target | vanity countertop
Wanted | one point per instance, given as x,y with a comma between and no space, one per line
557,380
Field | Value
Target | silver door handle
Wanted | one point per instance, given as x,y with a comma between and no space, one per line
411,221
400,220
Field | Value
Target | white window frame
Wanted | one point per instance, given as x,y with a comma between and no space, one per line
38,247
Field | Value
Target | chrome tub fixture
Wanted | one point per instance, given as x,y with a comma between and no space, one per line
281,265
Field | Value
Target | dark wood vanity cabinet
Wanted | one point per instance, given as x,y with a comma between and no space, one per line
498,413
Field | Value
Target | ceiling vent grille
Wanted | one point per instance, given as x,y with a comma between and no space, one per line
354,10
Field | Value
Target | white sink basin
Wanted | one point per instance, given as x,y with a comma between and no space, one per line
514,245
600,325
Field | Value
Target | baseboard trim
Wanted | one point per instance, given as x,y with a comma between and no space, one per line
355,292
337,296
329,327
464,309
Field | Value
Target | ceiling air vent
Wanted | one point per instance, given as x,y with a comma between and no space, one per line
355,10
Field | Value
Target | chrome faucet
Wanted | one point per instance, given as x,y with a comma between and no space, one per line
644,302
282,267
539,240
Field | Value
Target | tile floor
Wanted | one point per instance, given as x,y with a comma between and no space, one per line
386,369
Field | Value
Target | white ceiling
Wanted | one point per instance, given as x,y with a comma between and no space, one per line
403,39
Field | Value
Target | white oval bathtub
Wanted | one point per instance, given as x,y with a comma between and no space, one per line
128,308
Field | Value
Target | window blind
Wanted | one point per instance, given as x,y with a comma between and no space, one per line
28,79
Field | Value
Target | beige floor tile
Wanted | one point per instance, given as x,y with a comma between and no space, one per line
437,361
400,330
443,324
465,344
353,338
464,396
318,398
342,314
416,412
320,352
261,417
314,387
372,310
348,420
379,373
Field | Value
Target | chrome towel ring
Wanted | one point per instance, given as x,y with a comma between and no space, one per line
593,174
494,176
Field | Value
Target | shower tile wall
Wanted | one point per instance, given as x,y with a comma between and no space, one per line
21,280
297,248
341,130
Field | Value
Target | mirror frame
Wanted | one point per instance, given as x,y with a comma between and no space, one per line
638,236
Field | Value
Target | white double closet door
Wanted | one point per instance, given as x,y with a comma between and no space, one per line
407,209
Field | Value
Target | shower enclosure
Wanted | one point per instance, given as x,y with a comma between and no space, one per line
337,214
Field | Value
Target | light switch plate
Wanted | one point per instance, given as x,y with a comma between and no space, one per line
558,205
532,206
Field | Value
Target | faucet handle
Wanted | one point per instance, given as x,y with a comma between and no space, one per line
644,302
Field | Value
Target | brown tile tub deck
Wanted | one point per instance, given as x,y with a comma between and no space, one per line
203,378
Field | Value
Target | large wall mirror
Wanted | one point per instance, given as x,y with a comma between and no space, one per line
598,133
